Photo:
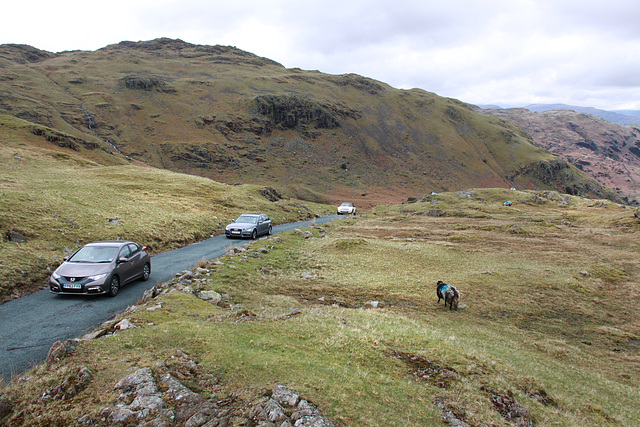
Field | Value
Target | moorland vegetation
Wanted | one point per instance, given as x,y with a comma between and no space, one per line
346,314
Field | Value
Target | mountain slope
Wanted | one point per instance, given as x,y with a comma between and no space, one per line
232,116
606,151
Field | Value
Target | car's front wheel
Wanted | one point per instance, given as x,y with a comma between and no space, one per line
114,286
270,231
146,272
254,234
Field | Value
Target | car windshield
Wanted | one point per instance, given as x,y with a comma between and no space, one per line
247,219
347,204
95,254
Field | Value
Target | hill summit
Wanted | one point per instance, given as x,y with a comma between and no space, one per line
235,117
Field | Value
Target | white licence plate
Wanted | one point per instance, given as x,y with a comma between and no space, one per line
72,286
235,232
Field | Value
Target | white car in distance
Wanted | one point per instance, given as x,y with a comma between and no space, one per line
346,208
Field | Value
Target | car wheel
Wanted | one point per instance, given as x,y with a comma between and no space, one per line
114,286
254,234
270,231
146,272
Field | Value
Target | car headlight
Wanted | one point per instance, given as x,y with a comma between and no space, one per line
97,276
56,276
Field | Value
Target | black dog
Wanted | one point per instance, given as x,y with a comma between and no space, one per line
449,293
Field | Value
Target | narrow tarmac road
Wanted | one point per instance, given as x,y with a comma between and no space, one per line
30,325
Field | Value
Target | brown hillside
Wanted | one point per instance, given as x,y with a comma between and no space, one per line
229,115
607,151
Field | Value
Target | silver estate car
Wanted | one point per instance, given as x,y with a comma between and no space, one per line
101,268
249,226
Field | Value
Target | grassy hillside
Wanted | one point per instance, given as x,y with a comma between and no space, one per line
60,199
348,318
226,114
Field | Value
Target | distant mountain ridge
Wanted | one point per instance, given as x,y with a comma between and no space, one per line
235,117
621,117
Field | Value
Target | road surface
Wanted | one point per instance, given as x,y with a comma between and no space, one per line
30,325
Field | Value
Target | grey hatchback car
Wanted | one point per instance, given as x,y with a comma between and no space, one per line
101,268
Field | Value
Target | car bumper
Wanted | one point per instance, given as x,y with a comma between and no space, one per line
345,212
238,233
91,288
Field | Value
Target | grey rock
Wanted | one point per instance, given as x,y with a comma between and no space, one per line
179,392
16,237
284,396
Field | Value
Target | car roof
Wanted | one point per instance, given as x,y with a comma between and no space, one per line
109,243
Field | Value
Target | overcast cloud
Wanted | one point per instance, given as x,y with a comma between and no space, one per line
504,52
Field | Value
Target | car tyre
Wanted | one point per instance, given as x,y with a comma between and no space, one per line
114,286
270,231
254,234
146,272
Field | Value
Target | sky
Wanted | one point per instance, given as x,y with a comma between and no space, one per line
498,52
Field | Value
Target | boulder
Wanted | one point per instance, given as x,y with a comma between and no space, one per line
14,236
60,349
211,296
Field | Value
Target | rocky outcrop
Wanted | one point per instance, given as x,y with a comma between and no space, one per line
59,350
292,112
14,236
157,397
167,47
63,140
271,194
24,54
70,387
146,83
559,174
285,408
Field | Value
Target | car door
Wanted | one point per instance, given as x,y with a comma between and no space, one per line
263,224
137,262
124,264
267,224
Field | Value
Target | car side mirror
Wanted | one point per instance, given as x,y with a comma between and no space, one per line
121,259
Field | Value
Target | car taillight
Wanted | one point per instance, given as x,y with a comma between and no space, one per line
144,248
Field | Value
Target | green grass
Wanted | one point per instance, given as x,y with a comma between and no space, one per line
550,313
